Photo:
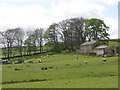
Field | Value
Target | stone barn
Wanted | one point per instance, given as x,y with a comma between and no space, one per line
117,50
102,50
88,47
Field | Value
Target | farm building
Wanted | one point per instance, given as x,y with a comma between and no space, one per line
95,48
102,50
117,49
88,47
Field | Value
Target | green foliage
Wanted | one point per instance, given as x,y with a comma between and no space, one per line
47,46
52,37
96,29
73,31
66,35
30,46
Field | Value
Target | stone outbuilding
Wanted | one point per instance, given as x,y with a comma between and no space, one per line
88,47
117,50
95,48
102,50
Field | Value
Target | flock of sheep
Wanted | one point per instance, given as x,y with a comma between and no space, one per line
40,61
48,68
104,60
43,68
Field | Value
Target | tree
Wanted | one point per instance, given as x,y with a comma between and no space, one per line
52,35
30,42
19,39
96,29
73,32
3,44
78,30
38,33
9,37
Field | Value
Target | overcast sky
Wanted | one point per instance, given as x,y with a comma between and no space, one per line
42,13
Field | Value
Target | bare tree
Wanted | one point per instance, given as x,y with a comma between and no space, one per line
9,36
3,44
19,37
39,37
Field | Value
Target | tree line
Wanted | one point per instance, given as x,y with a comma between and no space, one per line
66,35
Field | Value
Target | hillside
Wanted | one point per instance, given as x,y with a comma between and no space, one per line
63,71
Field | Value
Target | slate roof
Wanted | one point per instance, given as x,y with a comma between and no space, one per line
89,43
101,47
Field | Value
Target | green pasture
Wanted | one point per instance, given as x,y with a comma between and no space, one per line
112,43
68,71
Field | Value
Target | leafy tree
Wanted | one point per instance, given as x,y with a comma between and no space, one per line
38,34
29,44
9,37
19,39
52,35
96,29
73,32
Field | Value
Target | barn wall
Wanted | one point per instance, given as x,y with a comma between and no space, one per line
90,48
109,51
86,49
104,51
100,52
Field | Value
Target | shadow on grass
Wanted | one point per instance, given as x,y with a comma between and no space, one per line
32,80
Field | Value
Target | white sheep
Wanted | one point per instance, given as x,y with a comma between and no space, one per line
85,62
44,57
105,56
39,61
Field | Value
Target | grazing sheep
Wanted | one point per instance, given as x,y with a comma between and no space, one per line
16,62
44,68
85,62
30,61
25,62
16,69
40,61
104,60
105,56
50,67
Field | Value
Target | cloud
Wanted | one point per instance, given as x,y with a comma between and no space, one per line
113,24
110,2
24,16
37,15
76,8
87,9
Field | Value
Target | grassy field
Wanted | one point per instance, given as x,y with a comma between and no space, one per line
111,43
68,71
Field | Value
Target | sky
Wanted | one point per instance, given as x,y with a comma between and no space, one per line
30,14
